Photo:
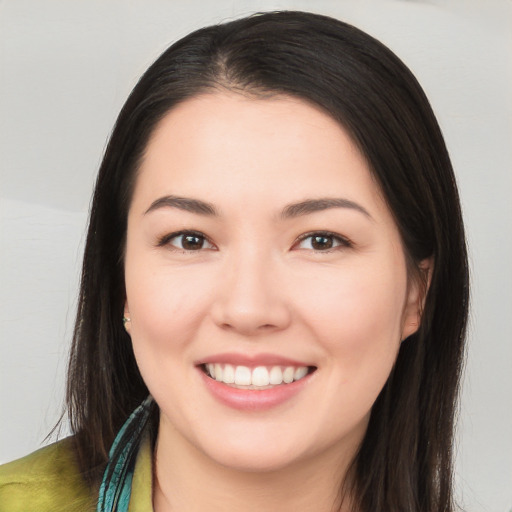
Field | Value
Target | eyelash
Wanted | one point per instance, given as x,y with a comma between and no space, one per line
165,240
342,241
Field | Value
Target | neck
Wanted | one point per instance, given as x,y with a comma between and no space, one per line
185,479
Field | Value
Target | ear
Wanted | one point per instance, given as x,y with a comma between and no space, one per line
127,321
418,286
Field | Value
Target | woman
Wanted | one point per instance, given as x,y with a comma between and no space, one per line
274,291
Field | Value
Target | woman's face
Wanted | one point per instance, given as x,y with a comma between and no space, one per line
266,282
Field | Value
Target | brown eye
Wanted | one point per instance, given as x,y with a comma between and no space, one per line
192,242
186,241
322,242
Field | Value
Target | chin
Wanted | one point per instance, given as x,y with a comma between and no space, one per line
257,460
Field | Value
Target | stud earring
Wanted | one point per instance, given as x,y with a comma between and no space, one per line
126,320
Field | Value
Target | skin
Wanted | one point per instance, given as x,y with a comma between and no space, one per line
254,287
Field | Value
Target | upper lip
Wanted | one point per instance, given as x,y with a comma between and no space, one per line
251,360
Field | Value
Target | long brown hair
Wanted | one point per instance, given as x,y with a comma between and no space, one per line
405,460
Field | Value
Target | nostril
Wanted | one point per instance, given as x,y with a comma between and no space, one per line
247,327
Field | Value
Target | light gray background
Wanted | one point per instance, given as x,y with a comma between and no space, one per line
67,66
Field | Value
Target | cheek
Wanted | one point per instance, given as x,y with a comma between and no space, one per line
357,317
358,326
166,308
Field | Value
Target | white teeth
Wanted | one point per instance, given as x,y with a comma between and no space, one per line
299,373
242,376
276,375
260,376
228,376
288,373
218,372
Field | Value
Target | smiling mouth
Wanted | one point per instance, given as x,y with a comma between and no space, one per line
257,378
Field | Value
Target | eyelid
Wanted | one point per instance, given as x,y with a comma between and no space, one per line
165,239
344,242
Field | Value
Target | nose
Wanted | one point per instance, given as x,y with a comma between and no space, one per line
250,299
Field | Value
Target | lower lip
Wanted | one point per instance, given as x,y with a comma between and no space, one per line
253,399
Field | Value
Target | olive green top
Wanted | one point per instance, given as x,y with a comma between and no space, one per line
48,480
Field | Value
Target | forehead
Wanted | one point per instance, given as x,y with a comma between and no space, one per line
221,145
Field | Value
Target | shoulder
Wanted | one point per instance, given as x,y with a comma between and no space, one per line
46,480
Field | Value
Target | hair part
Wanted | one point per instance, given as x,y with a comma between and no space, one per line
405,460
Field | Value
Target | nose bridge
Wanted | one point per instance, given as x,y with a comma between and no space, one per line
251,299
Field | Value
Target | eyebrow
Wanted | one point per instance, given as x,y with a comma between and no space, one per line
184,203
315,205
290,211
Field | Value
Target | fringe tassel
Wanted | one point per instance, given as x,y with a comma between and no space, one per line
116,486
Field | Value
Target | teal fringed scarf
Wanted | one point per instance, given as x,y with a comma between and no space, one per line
116,486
